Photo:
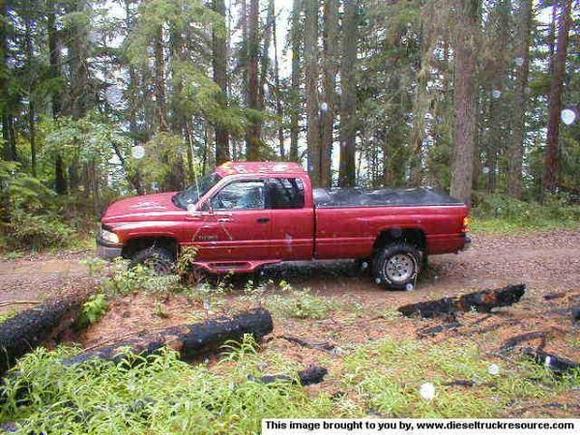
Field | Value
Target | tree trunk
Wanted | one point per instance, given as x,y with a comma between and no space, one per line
466,32
159,71
311,83
219,63
552,165
253,136
347,170
277,96
295,81
60,184
330,35
516,148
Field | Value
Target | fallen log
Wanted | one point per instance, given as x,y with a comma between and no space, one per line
36,326
191,341
434,330
557,364
310,376
327,347
512,342
482,301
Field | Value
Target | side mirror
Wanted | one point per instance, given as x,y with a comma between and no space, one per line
191,209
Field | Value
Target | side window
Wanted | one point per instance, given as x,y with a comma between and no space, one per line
286,193
240,195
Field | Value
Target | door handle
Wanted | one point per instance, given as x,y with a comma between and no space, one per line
263,220
224,219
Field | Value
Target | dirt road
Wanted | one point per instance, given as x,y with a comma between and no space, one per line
545,261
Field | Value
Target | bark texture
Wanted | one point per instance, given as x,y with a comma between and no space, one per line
311,81
483,301
219,63
516,147
331,57
348,122
552,164
296,43
466,30
36,326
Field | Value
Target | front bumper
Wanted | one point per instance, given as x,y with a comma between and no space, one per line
107,251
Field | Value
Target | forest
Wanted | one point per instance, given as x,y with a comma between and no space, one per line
101,99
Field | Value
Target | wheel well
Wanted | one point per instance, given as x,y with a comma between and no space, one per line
135,245
413,236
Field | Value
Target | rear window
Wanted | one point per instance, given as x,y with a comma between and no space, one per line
286,193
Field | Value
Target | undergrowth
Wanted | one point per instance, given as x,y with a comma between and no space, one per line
502,214
161,394
388,376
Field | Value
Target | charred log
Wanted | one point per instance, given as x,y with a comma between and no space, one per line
36,326
483,301
557,364
327,347
552,296
512,342
309,376
191,341
434,330
575,314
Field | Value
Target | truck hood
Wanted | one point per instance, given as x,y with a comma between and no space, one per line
138,207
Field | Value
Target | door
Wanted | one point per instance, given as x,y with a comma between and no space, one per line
292,221
237,227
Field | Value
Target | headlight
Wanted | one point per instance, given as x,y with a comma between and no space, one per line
109,236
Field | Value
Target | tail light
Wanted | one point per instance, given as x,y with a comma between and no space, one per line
465,224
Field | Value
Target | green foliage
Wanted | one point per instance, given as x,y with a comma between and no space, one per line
30,211
37,232
389,374
7,315
93,310
500,213
160,394
300,304
125,280
88,139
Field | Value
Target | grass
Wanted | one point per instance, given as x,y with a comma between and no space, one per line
300,304
165,395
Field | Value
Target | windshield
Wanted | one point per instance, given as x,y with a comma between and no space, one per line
195,191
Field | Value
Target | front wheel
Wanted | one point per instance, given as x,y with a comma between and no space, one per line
396,266
160,260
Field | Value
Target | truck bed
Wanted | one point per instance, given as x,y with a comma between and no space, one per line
353,197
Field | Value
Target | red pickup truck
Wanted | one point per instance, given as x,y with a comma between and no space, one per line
246,215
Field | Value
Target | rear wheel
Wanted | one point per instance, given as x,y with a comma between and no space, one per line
396,266
160,260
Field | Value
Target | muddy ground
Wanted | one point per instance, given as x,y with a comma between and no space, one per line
548,263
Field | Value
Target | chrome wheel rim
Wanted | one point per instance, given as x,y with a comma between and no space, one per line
399,268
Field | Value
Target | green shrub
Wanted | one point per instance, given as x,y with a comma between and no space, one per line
300,305
37,231
500,213
125,280
93,310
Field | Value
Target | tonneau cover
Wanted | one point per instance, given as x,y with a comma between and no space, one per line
353,197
